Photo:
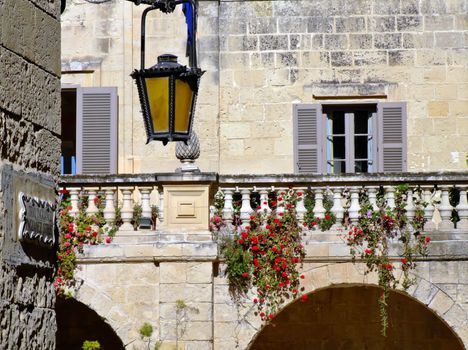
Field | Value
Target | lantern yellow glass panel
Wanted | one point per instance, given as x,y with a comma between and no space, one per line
158,97
183,106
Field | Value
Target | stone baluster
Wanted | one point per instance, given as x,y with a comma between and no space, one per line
390,196
319,209
410,208
337,208
462,208
127,208
92,208
109,208
445,209
264,207
145,192
161,205
280,204
246,208
354,206
300,207
228,210
74,199
429,209
372,195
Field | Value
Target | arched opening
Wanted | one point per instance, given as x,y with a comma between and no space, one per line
347,317
76,323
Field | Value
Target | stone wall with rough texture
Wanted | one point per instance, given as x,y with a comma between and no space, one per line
130,284
263,56
29,162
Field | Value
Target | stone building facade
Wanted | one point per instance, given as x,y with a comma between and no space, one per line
263,58
29,165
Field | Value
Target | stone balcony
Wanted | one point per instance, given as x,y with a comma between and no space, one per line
185,203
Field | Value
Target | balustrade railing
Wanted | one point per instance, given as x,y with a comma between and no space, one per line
444,195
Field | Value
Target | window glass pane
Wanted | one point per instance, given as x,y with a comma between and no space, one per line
361,166
361,122
361,147
338,147
338,119
336,167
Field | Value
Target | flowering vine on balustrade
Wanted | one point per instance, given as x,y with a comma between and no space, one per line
265,255
77,231
370,239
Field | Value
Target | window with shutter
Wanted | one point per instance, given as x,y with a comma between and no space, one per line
392,136
350,138
96,130
307,143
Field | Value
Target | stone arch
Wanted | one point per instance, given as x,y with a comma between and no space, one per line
76,322
320,277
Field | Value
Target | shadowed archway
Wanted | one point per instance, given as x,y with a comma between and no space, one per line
76,323
347,317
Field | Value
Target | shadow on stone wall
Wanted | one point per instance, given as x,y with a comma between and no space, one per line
76,323
348,318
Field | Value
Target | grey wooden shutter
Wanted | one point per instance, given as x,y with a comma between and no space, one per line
307,123
392,136
96,130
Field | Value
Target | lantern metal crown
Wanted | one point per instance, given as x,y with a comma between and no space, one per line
168,90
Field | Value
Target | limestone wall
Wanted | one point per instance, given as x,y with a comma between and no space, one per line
263,56
29,160
132,284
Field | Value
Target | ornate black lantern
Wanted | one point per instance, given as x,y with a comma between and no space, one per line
168,90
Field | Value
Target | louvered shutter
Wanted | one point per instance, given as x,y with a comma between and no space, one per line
96,131
392,136
307,138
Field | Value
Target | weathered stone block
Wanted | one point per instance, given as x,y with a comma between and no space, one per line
449,40
243,43
409,23
273,42
384,7
287,59
369,58
350,24
320,25
336,42
401,58
341,58
360,41
418,40
292,25
382,24
387,41
262,25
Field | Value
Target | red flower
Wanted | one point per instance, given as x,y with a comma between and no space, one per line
305,224
281,214
276,221
267,227
304,298
271,316
254,240
289,205
404,261
265,203
94,233
255,262
262,314
68,236
241,241
314,223
274,249
245,274
299,194
428,239
247,228
280,198
273,203
327,217
255,300
108,239
368,251
302,276
66,244
283,193
255,248
284,274
252,217
294,291
63,191
244,234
